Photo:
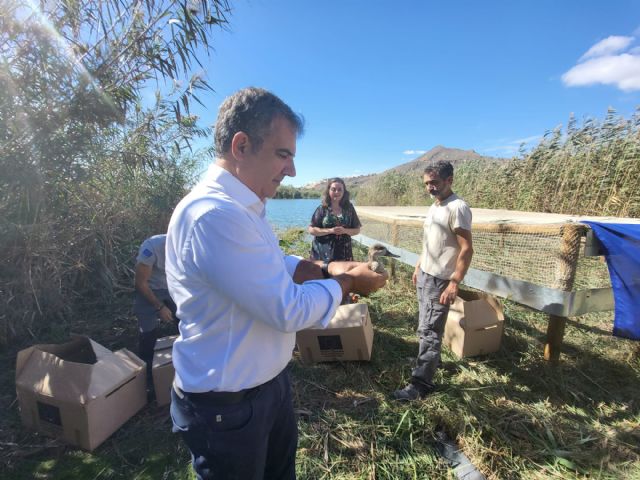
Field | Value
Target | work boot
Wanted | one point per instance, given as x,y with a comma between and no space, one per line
410,393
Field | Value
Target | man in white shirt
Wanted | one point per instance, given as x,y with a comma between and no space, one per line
445,258
240,300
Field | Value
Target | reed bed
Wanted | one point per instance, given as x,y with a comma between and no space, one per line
584,169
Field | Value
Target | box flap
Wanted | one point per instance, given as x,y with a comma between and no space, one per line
130,358
162,357
78,350
477,310
75,371
471,295
112,371
352,315
22,359
165,342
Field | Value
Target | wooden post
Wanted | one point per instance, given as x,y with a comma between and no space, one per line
555,334
394,242
565,276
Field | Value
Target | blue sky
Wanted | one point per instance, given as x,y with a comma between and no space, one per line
381,82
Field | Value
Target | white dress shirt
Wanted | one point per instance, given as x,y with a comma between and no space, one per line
238,306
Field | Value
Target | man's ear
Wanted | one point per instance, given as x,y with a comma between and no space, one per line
240,145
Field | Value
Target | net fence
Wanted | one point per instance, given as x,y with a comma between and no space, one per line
547,255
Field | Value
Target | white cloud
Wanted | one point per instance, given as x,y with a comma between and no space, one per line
414,152
511,147
607,63
608,46
520,141
502,150
623,71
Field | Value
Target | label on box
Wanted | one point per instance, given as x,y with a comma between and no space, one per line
330,345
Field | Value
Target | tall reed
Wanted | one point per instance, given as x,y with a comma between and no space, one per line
588,169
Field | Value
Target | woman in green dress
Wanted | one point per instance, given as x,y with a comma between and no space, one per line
333,224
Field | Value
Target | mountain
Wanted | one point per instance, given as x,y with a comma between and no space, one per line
415,167
453,155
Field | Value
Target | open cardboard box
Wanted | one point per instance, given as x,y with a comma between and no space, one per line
79,391
162,369
349,336
475,324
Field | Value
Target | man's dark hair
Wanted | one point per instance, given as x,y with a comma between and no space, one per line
251,110
441,168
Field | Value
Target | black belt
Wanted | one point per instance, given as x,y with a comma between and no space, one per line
216,398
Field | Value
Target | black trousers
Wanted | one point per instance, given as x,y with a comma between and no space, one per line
147,340
253,439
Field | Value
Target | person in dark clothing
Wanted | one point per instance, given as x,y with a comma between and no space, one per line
152,303
333,224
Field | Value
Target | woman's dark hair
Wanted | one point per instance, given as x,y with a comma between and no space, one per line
326,199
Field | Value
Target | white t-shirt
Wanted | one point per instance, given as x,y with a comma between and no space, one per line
440,247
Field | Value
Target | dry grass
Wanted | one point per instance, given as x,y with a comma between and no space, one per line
514,415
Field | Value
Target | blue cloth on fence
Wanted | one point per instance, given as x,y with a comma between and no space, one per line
621,242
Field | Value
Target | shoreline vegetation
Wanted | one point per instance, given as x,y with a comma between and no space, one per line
584,169
288,192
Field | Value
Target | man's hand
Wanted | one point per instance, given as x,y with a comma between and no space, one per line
361,279
165,314
311,269
339,230
450,293
414,277
339,267
353,277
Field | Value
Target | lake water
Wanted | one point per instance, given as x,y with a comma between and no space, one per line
283,214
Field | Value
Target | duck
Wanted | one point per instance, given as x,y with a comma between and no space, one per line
375,251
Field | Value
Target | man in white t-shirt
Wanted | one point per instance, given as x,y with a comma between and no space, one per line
445,258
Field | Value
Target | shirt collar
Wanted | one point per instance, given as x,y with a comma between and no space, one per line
447,200
216,175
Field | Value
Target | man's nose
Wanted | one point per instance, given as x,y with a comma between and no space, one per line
290,169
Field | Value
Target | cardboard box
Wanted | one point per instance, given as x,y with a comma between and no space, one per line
349,336
79,391
474,325
162,369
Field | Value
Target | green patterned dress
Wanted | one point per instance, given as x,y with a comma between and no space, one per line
333,247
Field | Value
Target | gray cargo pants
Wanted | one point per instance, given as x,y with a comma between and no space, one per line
431,321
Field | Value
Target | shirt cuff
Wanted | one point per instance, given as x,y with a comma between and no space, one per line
336,290
291,263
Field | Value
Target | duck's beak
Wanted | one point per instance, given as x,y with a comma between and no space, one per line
389,254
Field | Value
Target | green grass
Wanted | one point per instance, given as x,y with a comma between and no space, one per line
515,415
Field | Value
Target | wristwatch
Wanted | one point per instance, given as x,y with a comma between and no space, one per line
325,269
